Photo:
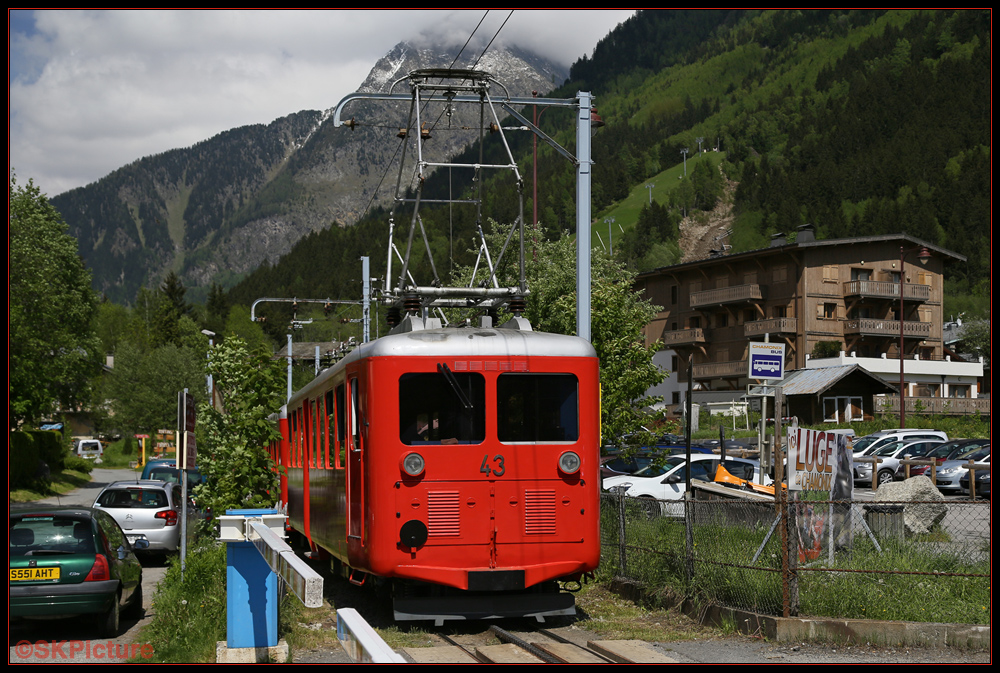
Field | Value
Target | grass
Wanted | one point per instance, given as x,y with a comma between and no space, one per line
190,615
924,578
60,483
613,617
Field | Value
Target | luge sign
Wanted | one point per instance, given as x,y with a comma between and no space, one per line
819,461
767,361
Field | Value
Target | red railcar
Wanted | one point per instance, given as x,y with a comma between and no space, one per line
459,464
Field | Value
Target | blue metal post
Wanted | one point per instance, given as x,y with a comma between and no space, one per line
251,593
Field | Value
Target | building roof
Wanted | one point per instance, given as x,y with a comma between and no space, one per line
817,381
809,242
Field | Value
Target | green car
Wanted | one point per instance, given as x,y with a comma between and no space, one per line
70,561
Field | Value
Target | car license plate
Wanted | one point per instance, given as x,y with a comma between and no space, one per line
32,574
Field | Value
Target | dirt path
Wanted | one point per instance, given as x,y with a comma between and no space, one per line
704,232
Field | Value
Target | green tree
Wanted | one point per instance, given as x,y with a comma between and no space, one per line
618,316
976,338
233,441
171,309
53,349
143,385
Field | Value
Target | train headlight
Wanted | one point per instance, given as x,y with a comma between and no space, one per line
569,462
413,464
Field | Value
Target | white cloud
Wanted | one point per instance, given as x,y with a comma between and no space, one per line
91,91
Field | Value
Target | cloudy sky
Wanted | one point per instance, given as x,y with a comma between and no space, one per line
91,91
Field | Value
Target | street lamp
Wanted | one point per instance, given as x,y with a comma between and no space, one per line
923,256
208,378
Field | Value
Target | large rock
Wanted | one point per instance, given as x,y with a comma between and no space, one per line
923,504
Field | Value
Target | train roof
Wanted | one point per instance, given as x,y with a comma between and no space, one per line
463,342
477,341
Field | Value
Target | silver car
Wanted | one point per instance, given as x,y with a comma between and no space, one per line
890,455
146,510
950,472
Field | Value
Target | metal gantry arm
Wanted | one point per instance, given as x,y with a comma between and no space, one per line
471,87
296,300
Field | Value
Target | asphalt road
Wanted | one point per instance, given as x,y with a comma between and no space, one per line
71,640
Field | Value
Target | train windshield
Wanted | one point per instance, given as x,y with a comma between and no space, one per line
442,408
537,408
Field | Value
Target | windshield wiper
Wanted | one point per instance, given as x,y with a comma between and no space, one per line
453,382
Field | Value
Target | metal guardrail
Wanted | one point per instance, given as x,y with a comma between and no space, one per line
360,641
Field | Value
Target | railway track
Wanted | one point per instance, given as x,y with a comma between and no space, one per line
538,646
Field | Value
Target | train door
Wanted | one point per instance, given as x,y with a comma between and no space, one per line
355,465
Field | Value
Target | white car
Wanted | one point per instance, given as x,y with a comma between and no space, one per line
864,446
667,480
890,455
89,448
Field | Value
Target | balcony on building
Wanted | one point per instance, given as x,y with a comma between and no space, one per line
880,289
912,329
938,406
734,294
683,337
770,326
721,370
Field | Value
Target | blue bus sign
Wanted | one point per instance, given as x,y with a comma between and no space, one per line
767,361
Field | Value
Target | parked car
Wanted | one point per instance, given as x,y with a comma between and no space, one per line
950,472
88,448
616,464
172,475
156,462
666,481
146,510
982,483
72,561
891,454
950,450
869,443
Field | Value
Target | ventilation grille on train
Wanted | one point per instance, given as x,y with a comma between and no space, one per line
539,512
442,514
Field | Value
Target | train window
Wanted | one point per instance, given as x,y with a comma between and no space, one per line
341,428
438,408
328,428
355,420
315,438
300,437
537,408
294,436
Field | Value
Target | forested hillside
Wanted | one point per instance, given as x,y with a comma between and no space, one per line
141,215
860,122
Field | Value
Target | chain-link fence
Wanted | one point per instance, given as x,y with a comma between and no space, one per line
913,561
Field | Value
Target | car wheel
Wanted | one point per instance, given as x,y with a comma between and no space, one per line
650,507
884,477
109,622
134,609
